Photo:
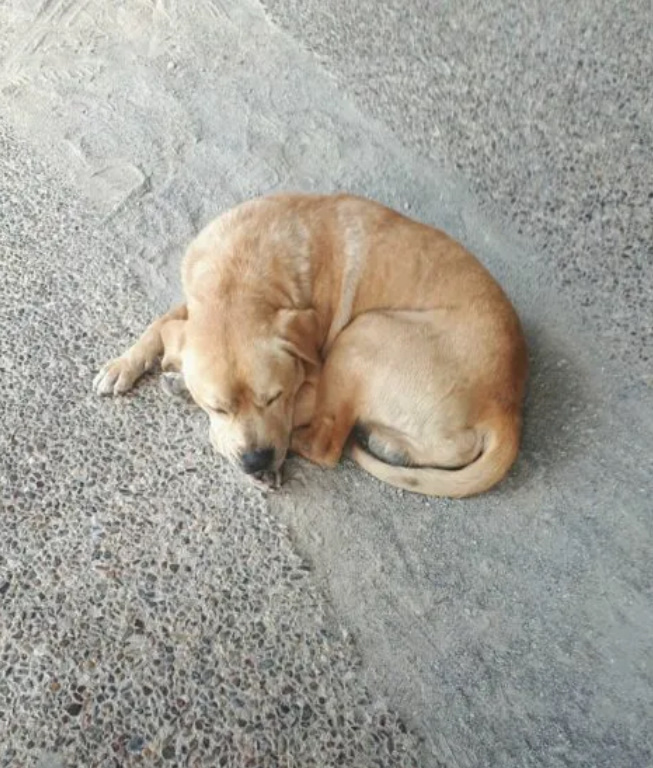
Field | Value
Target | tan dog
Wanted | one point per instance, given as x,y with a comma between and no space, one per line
312,319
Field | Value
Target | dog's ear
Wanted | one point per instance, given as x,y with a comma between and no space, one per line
299,331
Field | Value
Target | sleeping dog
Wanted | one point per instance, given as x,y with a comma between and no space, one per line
319,323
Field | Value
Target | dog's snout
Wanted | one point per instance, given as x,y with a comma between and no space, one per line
257,461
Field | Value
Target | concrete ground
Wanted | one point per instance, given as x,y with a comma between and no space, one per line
154,609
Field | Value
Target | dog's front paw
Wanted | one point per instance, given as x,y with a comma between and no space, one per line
173,385
117,376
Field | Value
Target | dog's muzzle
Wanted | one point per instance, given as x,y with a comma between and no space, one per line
253,462
259,467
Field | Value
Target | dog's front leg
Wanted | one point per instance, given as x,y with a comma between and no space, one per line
164,337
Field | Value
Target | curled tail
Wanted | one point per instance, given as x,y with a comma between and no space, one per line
500,447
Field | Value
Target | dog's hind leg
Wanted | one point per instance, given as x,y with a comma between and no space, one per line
305,402
330,406
323,440
163,338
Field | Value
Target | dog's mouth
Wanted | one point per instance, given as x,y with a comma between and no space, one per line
267,480
270,479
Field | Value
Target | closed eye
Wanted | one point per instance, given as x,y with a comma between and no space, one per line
217,409
274,398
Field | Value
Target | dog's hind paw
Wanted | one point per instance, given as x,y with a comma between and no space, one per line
318,442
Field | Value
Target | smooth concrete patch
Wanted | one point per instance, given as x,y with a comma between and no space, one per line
514,629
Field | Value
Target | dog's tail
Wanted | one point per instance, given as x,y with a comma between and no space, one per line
500,446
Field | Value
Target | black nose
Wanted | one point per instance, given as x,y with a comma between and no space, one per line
257,461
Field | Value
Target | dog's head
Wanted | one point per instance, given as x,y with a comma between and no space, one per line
244,367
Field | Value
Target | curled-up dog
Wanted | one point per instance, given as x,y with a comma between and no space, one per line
323,323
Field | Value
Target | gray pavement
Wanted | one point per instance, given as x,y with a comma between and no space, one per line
543,109
154,609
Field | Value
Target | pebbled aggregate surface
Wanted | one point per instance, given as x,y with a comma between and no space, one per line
152,609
